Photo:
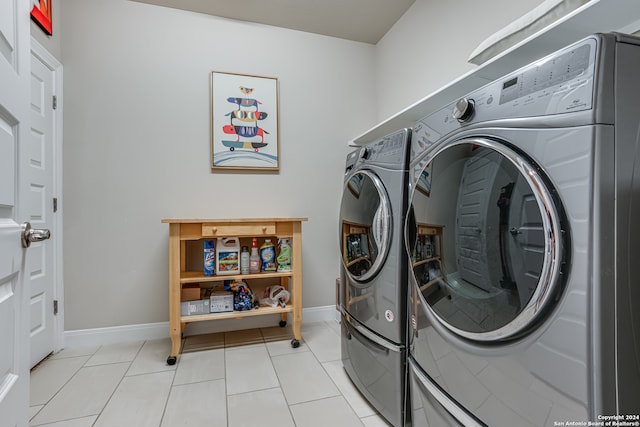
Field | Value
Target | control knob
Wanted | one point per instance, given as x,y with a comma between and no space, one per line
464,109
365,153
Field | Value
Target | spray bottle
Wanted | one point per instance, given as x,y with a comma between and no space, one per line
254,259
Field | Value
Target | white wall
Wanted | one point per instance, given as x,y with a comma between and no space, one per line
136,146
429,46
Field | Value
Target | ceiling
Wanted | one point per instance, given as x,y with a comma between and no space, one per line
359,20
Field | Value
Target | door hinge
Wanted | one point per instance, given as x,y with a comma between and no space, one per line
55,204
55,307
55,102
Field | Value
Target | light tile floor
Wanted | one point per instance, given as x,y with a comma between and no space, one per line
243,378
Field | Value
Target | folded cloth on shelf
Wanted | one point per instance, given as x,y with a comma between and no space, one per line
538,18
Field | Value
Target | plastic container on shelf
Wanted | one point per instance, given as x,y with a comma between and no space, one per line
254,258
268,256
245,259
284,256
228,256
209,258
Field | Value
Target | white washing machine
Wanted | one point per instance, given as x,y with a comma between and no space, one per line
373,285
524,239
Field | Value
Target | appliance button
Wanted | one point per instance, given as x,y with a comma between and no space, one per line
464,109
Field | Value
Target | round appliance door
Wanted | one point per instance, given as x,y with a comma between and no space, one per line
485,239
365,215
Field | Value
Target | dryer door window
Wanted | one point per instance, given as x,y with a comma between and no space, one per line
485,239
365,215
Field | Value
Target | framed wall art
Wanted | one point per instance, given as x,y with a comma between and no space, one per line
244,122
41,14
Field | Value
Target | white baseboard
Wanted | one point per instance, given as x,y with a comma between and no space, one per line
115,334
318,314
153,331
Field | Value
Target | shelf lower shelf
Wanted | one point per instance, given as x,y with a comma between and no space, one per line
261,311
425,261
430,283
357,260
198,277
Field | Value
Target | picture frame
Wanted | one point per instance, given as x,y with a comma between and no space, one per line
41,15
245,132
424,181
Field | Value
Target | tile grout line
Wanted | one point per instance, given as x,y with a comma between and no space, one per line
332,380
289,405
65,383
166,402
119,382
284,396
227,345
226,400
97,415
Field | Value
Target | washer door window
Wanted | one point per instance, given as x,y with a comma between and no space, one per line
366,225
485,239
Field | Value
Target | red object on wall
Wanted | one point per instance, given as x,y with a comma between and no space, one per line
41,14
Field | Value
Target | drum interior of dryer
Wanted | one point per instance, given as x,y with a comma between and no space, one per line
487,245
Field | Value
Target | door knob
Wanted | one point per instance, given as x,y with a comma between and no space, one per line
33,234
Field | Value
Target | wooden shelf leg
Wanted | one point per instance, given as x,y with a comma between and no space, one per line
175,327
176,341
296,279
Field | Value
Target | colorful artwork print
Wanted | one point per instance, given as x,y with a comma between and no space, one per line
41,14
244,122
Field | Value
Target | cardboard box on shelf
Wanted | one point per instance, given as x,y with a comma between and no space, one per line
189,308
190,292
221,301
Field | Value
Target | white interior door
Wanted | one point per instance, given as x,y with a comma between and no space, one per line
40,207
526,240
14,284
478,176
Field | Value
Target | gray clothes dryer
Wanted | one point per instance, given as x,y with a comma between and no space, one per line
526,309
373,285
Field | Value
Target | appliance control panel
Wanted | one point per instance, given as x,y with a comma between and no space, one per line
352,158
390,151
562,82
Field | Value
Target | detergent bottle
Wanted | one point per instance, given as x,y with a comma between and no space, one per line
228,256
284,256
268,256
254,258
